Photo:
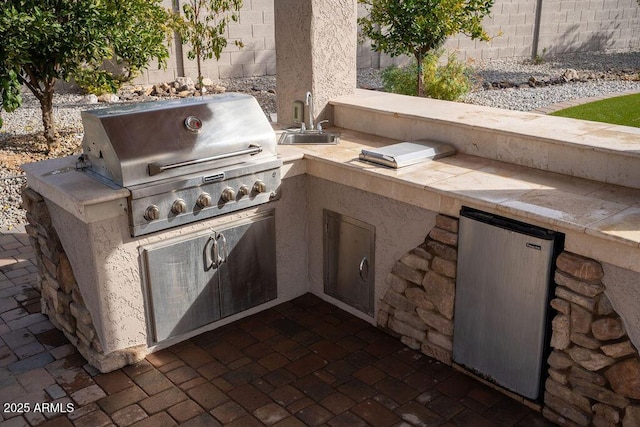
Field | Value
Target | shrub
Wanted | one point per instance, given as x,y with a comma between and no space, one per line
447,81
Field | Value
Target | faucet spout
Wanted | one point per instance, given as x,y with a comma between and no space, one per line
309,102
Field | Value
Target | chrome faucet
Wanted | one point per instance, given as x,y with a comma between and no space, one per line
309,102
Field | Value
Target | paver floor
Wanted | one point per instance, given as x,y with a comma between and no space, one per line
304,362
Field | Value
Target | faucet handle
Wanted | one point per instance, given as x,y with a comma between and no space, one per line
319,125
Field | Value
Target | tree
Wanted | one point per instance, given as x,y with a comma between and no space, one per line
203,26
417,27
47,40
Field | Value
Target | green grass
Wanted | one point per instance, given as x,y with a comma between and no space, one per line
621,110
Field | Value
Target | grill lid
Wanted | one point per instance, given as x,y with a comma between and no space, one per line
142,143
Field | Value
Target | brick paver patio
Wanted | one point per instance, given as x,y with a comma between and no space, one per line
304,362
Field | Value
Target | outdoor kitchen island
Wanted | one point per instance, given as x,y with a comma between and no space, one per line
594,368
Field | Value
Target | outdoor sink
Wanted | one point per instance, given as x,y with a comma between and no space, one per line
308,137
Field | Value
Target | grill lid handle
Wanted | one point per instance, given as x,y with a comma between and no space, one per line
155,168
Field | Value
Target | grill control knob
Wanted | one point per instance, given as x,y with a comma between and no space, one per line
259,186
179,206
204,200
243,190
152,213
228,194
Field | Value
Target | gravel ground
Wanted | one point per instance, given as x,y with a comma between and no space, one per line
600,74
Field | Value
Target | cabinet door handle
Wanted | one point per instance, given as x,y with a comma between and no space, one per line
364,264
209,254
225,254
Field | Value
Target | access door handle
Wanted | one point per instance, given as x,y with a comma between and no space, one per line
364,265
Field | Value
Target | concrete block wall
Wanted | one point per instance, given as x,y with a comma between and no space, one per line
565,26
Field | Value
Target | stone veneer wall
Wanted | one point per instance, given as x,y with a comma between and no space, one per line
594,369
61,298
418,306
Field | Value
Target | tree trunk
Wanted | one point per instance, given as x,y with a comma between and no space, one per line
420,76
46,105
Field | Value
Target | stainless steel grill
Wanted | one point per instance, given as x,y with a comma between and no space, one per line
183,160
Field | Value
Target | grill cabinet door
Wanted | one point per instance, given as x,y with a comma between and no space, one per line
349,260
248,277
182,287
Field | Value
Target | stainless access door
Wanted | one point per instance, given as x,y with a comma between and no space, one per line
182,287
248,271
349,247
502,292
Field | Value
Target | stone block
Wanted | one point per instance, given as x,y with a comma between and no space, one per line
436,352
440,291
416,262
589,359
398,301
568,395
50,281
618,350
419,297
50,267
440,340
422,253
447,223
436,321
580,319
587,289
408,273
585,341
631,417
598,393
80,313
582,301
560,338
444,267
30,198
607,329
64,273
560,377
565,410
559,360
405,329
580,267
561,306
624,378
87,330
607,413
443,236
411,343
396,283
592,377
411,319
442,250
603,306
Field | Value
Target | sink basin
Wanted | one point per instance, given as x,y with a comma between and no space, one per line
317,138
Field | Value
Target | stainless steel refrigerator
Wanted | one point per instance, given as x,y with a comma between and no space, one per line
504,277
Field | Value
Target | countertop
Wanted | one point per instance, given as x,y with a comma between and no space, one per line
581,208
600,220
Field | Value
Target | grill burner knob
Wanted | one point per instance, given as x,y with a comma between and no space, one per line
152,213
228,194
179,206
204,200
243,190
259,187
